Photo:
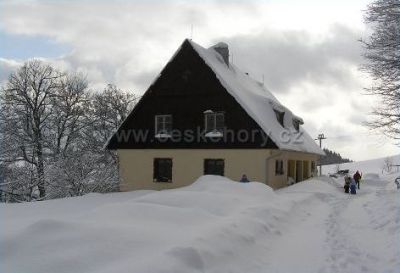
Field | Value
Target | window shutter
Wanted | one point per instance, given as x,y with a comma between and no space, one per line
168,124
220,123
155,170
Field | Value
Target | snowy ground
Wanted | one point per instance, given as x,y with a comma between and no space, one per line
214,225
367,166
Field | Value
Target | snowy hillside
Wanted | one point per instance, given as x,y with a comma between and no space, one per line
214,225
367,166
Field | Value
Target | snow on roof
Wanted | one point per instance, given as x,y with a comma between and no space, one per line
258,102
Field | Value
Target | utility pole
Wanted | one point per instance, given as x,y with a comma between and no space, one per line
320,138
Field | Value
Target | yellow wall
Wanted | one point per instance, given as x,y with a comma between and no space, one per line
136,166
289,163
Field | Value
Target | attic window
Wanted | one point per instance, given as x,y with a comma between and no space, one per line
214,123
163,125
296,124
280,116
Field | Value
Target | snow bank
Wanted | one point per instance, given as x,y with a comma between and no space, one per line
213,225
201,226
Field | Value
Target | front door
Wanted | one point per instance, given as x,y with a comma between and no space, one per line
214,166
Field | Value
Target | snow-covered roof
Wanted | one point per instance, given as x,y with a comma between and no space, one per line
258,102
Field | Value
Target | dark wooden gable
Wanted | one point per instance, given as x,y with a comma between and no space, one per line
185,89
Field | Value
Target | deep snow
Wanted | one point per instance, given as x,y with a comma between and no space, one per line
214,225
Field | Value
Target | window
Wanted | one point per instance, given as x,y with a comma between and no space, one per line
162,170
214,166
280,116
214,123
163,125
296,124
279,167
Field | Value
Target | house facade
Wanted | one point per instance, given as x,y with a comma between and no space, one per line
202,115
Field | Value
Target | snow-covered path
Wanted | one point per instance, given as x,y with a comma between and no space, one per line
300,248
343,233
214,225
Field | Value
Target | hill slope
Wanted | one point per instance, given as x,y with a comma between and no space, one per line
367,166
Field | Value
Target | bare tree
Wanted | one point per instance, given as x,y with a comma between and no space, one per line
382,54
387,164
337,168
70,115
108,109
25,110
52,133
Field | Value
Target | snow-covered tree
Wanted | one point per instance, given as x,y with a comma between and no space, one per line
52,133
382,54
25,110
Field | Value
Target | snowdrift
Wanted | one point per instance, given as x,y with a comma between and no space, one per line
203,226
214,225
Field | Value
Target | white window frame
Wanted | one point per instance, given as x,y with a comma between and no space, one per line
162,132
213,131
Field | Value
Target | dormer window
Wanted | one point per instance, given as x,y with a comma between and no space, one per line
280,117
296,124
163,126
214,123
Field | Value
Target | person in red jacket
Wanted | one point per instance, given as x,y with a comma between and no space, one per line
357,178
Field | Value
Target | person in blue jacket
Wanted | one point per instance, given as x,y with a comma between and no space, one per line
353,186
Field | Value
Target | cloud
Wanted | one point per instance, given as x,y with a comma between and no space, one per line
109,39
288,58
308,56
7,67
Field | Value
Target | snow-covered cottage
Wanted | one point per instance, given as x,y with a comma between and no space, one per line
202,115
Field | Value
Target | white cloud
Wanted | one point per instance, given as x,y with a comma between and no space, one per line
309,50
7,66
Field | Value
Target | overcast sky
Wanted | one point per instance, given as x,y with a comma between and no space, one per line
307,51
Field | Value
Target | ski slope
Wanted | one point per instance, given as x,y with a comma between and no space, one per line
214,225
372,166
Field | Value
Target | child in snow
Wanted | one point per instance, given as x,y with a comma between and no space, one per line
244,179
346,183
397,182
353,186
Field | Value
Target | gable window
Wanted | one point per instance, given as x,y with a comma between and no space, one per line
279,167
296,124
163,125
214,166
162,170
214,123
280,116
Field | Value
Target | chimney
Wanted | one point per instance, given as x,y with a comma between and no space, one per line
223,50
